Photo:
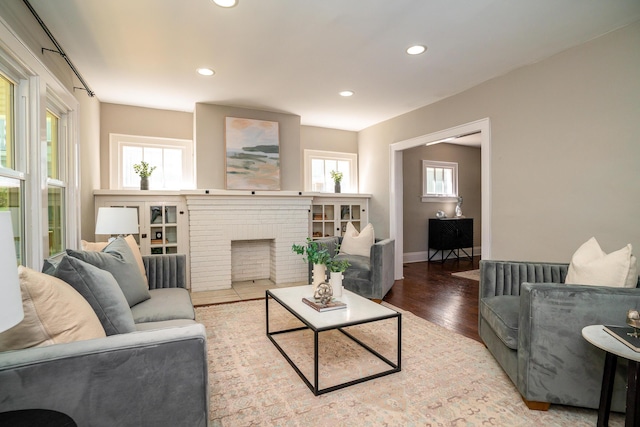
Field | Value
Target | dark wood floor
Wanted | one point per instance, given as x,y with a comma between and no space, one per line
428,290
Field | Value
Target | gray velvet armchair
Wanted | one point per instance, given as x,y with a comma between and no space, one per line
531,322
370,277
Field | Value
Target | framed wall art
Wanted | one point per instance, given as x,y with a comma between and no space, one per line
253,154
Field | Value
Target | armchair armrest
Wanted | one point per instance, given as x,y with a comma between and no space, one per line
154,377
506,277
383,265
166,271
555,363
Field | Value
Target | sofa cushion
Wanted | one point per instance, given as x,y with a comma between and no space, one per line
133,245
102,292
54,313
501,313
164,324
357,243
164,304
590,265
118,259
359,268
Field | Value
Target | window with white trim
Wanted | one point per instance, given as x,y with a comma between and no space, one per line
318,166
12,176
56,180
439,181
172,158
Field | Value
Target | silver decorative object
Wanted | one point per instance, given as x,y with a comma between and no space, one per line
324,293
633,320
441,214
459,208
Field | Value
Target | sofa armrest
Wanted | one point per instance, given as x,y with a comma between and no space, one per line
154,378
555,363
383,265
506,277
166,271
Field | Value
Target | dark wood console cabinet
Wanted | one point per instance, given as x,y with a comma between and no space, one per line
450,234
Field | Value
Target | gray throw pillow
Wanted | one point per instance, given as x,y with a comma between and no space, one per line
102,292
118,259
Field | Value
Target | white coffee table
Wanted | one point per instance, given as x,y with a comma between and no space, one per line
359,311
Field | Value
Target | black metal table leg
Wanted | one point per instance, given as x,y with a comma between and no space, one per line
610,362
633,397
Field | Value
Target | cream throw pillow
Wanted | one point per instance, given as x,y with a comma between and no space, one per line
131,241
590,265
54,313
354,243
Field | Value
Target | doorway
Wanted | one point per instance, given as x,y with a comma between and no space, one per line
396,226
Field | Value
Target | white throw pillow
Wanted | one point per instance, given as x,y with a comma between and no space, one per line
590,265
354,243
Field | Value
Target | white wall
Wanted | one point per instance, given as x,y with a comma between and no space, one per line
564,150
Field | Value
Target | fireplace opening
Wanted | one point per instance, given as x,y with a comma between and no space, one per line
251,260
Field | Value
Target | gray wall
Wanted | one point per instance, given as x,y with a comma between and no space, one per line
127,120
416,213
210,144
564,149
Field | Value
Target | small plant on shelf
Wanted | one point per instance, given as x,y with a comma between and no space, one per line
143,169
336,176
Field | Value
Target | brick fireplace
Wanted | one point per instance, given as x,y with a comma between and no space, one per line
224,230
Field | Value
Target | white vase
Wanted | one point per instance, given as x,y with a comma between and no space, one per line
336,283
319,275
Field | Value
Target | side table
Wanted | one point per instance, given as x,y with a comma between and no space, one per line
596,335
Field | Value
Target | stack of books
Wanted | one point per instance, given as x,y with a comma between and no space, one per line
332,305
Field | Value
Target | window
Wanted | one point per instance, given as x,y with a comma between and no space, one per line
439,181
318,166
11,179
55,185
173,159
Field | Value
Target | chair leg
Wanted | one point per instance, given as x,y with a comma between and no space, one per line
536,406
377,301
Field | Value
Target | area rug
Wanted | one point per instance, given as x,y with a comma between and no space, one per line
446,379
470,274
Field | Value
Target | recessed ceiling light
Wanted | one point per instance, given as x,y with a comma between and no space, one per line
347,93
225,3
206,71
416,50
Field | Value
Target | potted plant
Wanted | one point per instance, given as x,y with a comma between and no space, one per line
337,178
144,171
318,255
337,267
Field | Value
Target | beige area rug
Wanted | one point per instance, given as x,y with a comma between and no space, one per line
470,274
446,379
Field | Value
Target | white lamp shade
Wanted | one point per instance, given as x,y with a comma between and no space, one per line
117,221
11,312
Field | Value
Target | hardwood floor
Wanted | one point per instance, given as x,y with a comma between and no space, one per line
428,290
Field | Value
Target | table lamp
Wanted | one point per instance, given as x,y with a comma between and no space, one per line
118,221
11,312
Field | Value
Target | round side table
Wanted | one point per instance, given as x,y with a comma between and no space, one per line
596,335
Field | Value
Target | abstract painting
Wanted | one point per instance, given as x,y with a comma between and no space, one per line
253,154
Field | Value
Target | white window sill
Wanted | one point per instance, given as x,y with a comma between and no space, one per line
439,199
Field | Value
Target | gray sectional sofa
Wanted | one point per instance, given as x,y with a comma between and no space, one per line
531,322
155,375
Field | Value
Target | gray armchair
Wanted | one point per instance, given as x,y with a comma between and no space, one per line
370,277
531,322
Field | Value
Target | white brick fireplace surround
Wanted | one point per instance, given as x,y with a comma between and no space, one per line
215,221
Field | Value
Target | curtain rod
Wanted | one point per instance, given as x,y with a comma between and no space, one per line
59,50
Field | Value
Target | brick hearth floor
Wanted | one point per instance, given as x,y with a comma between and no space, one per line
240,291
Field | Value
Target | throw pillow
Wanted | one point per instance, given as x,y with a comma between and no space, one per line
133,245
354,243
590,265
118,259
102,292
54,313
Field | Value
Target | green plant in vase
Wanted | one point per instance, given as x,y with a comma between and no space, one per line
337,179
318,255
144,171
337,267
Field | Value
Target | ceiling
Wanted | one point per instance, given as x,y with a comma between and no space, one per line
294,56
